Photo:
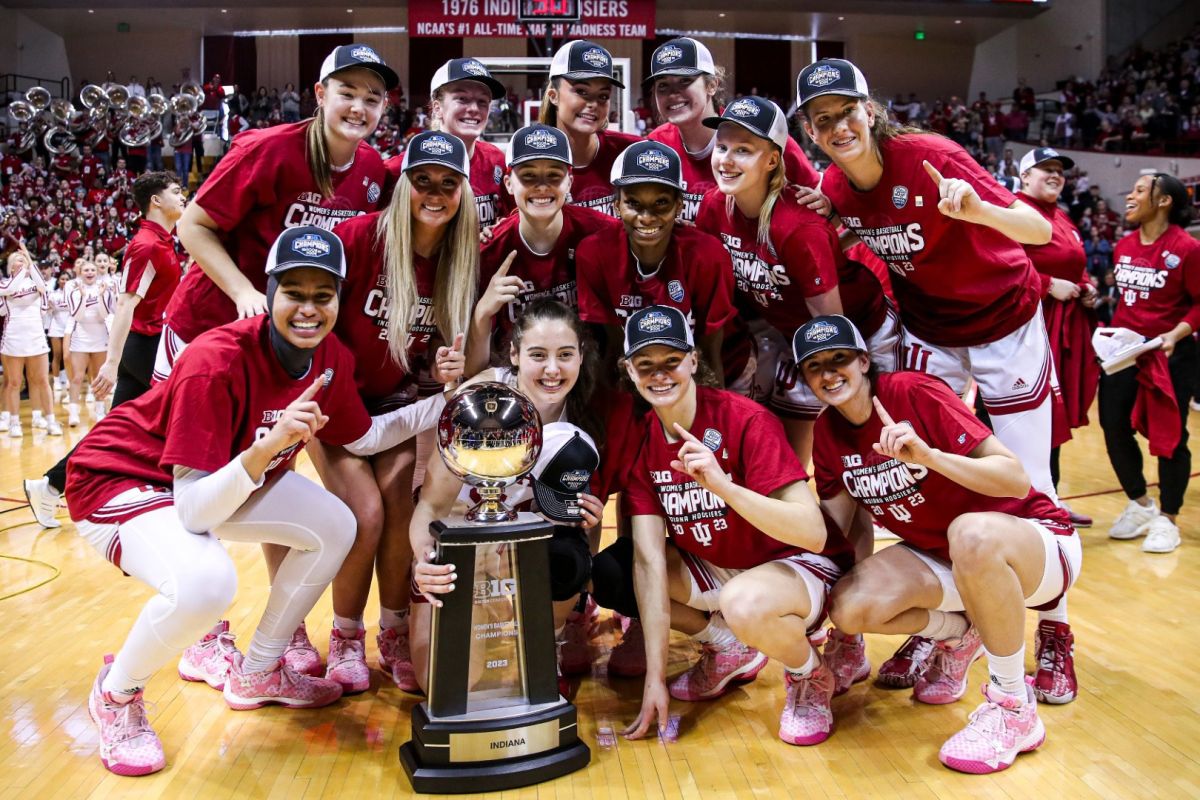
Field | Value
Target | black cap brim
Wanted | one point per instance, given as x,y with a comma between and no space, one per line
1066,161
558,506
634,180
288,266
497,88
587,76
682,72
390,79
665,341
715,122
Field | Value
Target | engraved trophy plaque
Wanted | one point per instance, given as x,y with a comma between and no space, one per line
494,718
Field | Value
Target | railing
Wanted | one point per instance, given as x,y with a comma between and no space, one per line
13,86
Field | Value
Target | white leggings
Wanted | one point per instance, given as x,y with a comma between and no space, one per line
196,580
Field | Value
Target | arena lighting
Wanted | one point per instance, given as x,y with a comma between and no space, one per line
783,37
308,31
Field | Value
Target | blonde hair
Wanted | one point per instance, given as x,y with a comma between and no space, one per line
316,153
775,186
457,269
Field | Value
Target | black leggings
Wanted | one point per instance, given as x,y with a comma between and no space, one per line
612,578
1117,395
133,380
570,562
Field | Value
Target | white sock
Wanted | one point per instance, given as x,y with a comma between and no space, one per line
120,687
1008,672
944,625
393,618
1056,614
348,626
807,667
257,661
716,632
36,415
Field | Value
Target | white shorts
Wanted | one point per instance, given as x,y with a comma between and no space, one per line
170,346
23,337
818,573
1064,559
790,395
89,337
1014,373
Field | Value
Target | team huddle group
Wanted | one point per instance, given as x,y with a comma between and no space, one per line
684,315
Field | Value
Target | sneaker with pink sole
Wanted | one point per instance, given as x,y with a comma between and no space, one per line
128,745
906,665
301,656
717,668
999,730
1054,682
575,649
945,678
807,718
395,659
627,659
207,660
281,684
348,662
846,658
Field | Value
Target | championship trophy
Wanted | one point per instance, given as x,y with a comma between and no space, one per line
494,718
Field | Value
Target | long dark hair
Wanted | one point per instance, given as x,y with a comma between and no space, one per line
1180,212
579,401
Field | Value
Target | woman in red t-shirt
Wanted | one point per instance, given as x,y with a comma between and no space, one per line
728,544
976,539
577,103
413,273
1157,269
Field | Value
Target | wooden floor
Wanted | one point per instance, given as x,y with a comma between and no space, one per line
1133,732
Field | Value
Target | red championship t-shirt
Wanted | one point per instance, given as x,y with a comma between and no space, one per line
802,258
695,277
492,201
750,446
1159,282
1063,256
697,167
150,270
958,284
227,391
590,185
549,275
259,188
362,321
912,501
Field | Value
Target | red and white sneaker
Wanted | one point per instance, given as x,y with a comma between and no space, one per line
807,718
208,659
1054,681
627,659
396,660
997,732
945,678
128,745
717,668
301,656
281,684
907,664
348,662
575,651
846,658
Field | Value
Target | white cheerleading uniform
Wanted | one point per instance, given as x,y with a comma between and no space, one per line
24,295
60,314
90,307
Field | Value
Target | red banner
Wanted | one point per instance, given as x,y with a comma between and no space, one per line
600,19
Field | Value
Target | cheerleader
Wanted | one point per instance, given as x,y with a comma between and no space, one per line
60,319
23,346
91,303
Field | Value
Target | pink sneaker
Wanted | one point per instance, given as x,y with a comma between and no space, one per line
282,684
627,659
1055,647
717,668
906,665
846,658
575,651
807,718
945,678
208,659
128,745
348,662
997,732
301,656
396,660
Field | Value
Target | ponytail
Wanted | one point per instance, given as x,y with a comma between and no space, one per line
316,152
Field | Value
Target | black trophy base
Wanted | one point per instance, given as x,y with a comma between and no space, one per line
466,756
492,776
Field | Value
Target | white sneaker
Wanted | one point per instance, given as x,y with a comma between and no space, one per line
53,428
1133,520
98,410
43,501
91,398
15,430
1162,536
73,415
5,419
39,423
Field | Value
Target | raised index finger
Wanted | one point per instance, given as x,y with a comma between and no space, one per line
933,173
507,264
458,343
312,390
883,414
685,435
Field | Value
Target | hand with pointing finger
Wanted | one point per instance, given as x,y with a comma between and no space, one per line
699,462
501,290
449,363
899,440
957,199
299,423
